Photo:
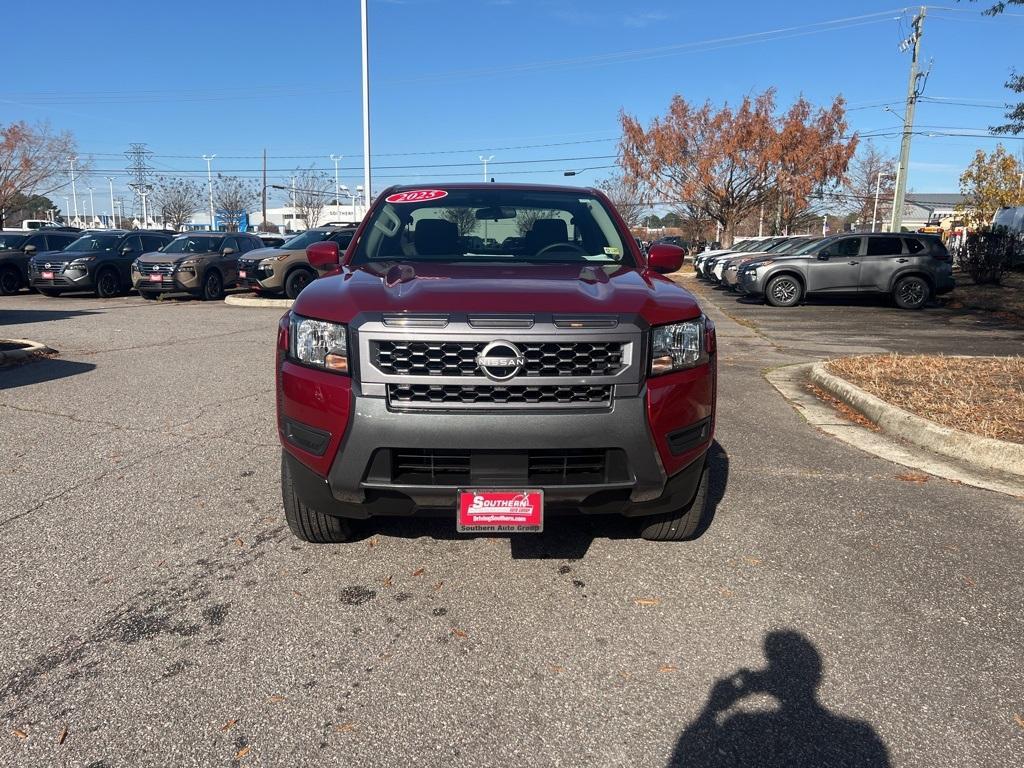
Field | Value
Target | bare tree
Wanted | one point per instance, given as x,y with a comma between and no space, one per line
177,200
233,197
31,157
463,218
863,182
311,192
628,198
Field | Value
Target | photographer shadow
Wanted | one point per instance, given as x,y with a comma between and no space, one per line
799,732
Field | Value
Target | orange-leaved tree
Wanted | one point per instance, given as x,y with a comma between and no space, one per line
728,162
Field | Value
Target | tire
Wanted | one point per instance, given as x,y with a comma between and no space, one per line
149,296
306,523
682,524
783,291
297,280
10,282
48,292
108,285
213,286
911,292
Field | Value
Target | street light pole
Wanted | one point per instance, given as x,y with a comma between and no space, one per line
337,188
878,190
67,208
366,107
485,161
74,193
209,182
92,207
113,216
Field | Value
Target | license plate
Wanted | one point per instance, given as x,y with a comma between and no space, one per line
500,510
47,275
156,278
241,273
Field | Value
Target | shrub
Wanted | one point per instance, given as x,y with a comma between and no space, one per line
986,255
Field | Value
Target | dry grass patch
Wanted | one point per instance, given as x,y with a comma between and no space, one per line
983,395
1006,301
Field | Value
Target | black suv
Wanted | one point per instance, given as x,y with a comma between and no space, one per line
16,248
96,261
910,268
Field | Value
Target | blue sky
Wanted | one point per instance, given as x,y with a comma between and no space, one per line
453,79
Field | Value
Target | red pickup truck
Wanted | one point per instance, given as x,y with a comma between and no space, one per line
494,354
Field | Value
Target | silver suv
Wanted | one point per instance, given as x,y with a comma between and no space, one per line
911,268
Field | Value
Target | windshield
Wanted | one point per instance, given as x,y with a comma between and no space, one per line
9,242
192,244
801,245
749,245
94,243
481,225
307,238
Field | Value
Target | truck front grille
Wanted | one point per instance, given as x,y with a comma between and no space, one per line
524,396
542,467
458,358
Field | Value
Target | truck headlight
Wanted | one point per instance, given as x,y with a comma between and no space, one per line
678,346
318,343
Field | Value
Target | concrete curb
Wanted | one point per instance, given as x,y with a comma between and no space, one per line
983,452
32,349
791,382
249,300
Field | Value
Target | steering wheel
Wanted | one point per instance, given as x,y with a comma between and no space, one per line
562,246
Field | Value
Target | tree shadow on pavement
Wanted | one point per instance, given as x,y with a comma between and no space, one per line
800,731
40,370
564,536
28,316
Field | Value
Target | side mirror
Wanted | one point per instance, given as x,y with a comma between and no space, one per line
664,258
30,249
228,251
324,256
126,250
824,256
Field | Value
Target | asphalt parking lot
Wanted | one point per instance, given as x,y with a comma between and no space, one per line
156,611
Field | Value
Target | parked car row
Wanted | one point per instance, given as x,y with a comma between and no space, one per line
911,268
111,262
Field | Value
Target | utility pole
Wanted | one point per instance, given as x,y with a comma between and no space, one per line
74,194
485,161
264,186
914,90
824,225
209,183
113,216
366,108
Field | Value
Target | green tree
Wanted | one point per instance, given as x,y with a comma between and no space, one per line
990,182
1015,114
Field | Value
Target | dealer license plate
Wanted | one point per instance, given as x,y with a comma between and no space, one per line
47,275
156,278
500,510
241,274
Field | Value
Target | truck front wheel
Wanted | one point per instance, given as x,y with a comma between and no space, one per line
305,522
681,524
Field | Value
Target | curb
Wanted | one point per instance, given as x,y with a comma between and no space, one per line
249,300
32,349
983,452
791,382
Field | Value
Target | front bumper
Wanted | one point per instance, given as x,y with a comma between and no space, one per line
750,283
259,278
65,280
174,282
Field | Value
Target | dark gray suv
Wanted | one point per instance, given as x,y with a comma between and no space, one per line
911,268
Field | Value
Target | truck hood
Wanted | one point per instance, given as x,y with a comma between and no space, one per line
496,289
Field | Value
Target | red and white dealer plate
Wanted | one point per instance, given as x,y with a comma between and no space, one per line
500,510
